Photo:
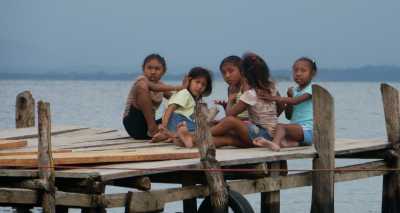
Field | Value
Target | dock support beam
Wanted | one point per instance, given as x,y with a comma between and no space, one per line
270,201
46,164
391,181
324,141
24,110
216,182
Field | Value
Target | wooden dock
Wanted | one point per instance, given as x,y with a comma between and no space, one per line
86,160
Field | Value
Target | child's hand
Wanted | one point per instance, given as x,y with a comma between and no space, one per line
232,97
290,92
222,103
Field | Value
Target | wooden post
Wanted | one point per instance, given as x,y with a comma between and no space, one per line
270,201
24,117
46,164
391,181
24,110
216,182
323,138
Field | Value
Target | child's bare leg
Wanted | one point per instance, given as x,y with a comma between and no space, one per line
262,142
229,124
293,135
144,104
280,134
184,135
228,140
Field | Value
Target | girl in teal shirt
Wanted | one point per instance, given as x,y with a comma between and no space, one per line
299,109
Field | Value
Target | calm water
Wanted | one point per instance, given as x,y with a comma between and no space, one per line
358,111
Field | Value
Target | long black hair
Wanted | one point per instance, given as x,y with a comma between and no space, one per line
256,72
197,72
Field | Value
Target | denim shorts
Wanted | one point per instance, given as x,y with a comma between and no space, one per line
176,118
256,131
308,136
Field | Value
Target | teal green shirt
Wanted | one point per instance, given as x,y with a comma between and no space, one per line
303,113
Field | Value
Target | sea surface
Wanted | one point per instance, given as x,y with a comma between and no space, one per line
358,112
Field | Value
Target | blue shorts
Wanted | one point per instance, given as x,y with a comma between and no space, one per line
308,136
256,131
175,119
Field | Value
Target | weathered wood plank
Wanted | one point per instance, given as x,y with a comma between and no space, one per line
324,142
391,181
11,144
79,158
31,132
268,184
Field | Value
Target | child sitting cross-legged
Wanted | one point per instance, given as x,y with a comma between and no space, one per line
178,119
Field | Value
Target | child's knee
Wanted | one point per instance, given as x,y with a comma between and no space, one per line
231,119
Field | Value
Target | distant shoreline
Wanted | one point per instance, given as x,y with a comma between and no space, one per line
364,73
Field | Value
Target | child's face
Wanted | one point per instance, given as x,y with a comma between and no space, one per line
302,73
231,74
197,86
153,70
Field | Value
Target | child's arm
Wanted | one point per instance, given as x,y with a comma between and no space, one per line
233,109
280,106
167,114
161,87
289,108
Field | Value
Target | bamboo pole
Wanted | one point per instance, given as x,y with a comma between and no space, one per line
324,139
24,110
216,182
391,181
46,164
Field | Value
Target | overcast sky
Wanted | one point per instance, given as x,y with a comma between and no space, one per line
74,33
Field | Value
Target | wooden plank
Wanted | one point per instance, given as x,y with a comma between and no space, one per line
23,133
11,144
323,139
156,198
26,196
391,181
32,152
79,158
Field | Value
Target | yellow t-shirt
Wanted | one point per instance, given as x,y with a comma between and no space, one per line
185,102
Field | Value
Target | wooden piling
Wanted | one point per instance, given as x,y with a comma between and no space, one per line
216,182
391,181
323,139
270,201
46,164
24,110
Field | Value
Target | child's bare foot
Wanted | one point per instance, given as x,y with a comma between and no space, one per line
178,142
163,135
158,137
262,142
184,135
